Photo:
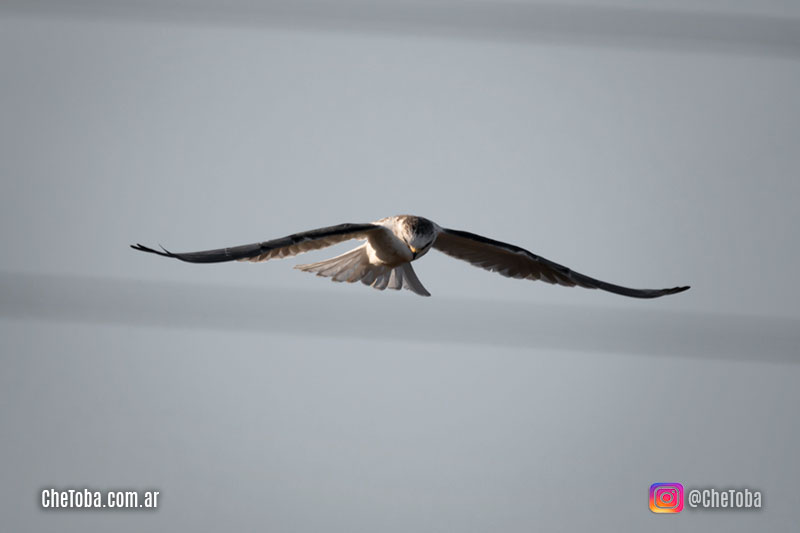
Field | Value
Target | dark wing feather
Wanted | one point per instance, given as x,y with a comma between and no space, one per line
515,262
278,248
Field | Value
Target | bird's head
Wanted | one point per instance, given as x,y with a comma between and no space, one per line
418,249
418,233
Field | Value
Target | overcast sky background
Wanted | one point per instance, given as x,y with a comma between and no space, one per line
646,157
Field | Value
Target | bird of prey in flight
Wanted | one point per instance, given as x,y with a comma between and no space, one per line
393,243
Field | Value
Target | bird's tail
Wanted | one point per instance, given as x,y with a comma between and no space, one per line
354,266
411,281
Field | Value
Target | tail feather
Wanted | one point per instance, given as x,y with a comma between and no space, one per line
412,282
396,279
354,266
382,281
369,277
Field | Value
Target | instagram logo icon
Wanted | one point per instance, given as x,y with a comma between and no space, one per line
666,497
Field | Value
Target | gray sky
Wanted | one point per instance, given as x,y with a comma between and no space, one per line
648,168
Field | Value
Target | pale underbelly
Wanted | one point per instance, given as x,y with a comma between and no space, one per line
388,254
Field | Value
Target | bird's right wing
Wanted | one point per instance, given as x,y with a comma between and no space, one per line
515,262
297,243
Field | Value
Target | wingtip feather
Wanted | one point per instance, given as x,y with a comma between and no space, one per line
142,248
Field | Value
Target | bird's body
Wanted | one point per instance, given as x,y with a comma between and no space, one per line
386,248
393,243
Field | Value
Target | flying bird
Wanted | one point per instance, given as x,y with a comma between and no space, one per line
393,243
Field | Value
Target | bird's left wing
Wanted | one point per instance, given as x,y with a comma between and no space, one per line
515,262
278,248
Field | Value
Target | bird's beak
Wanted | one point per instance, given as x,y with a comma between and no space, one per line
413,251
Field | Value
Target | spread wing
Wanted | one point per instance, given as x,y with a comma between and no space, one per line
515,262
297,243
